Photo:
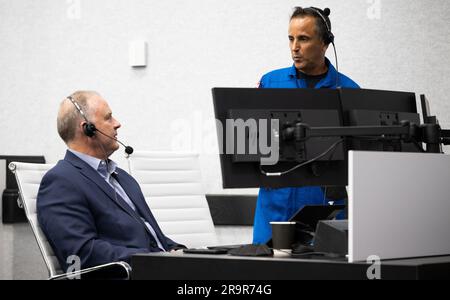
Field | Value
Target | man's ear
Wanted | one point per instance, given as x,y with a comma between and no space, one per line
81,125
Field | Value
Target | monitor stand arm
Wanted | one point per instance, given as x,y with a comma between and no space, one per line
430,134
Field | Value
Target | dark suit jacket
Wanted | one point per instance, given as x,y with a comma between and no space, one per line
80,215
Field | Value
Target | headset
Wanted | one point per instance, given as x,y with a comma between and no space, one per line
89,128
329,36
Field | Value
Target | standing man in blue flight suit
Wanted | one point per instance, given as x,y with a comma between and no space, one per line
309,38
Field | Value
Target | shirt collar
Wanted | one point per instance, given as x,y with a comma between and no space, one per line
97,164
292,71
328,81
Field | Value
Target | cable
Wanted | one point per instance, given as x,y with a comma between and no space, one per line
107,167
337,66
333,147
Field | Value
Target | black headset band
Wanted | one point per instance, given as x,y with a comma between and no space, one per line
329,36
321,16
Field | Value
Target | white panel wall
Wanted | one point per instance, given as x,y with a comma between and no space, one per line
50,48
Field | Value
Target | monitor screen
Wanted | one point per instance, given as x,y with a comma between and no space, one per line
257,133
256,130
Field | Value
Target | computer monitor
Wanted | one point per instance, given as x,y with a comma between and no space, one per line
364,107
255,130
426,112
432,129
239,112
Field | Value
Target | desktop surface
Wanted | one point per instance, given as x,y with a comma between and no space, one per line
181,266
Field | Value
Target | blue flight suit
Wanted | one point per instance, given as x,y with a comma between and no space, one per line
281,204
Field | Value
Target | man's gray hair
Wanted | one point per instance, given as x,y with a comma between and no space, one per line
69,117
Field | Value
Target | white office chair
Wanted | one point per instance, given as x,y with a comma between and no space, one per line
28,178
172,186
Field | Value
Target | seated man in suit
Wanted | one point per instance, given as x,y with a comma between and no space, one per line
86,205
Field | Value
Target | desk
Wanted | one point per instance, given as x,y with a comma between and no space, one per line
180,266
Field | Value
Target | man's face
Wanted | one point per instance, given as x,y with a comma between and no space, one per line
307,48
105,122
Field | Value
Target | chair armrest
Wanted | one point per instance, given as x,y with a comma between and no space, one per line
112,271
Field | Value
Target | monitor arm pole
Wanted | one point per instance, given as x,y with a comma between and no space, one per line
430,134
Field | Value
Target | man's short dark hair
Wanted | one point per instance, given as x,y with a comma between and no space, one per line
322,31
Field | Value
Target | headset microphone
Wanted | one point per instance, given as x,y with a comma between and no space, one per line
128,149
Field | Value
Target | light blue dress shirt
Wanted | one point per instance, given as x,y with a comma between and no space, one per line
106,170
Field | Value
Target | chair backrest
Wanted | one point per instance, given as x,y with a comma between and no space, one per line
29,176
172,186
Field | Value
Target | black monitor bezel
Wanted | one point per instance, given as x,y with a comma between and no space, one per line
237,175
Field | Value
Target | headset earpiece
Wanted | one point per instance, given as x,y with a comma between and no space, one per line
329,36
89,129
